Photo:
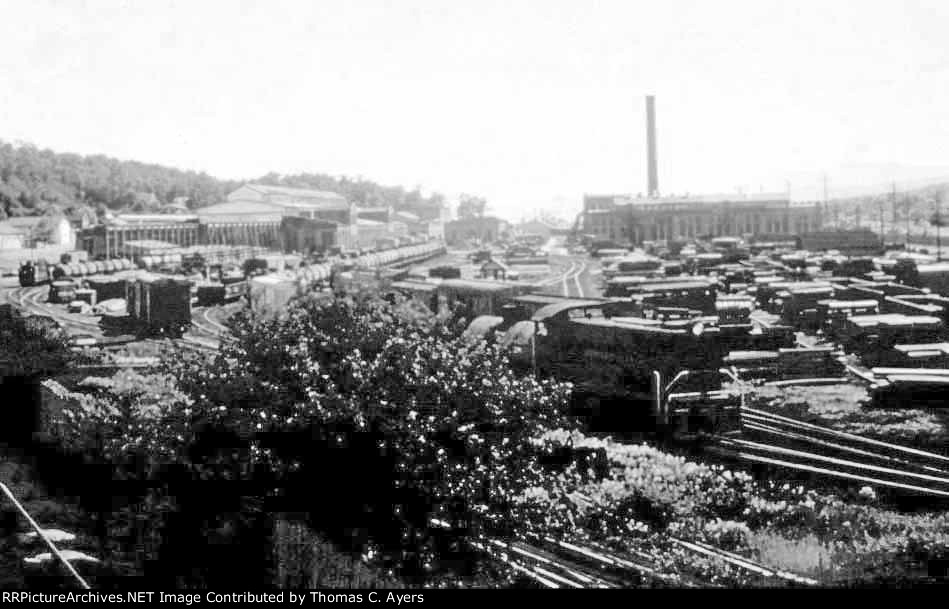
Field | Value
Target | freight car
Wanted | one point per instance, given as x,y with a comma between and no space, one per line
41,272
159,306
869,335
216,294
934,277
613,364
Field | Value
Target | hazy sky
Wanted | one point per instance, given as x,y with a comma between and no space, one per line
529,103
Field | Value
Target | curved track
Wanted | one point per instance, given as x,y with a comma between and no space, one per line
32,301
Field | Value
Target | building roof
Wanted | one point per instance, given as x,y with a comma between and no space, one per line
25,223
478,285
404,215
177,206
302,193
559,307
6,229
479,219
492,263
241,211
152,218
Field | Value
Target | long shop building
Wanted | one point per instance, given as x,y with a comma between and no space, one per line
289,234
108,240
632,220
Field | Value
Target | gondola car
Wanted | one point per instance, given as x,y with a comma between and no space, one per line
61,292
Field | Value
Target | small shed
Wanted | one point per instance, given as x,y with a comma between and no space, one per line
492,269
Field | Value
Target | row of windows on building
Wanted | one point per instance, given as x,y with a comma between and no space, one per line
678,227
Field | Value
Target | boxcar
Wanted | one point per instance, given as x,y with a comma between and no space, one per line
159,306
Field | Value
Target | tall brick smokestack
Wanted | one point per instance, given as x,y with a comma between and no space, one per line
651,143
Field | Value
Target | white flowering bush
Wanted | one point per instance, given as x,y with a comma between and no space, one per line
649,496
359,394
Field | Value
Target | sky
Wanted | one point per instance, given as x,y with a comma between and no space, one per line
530,104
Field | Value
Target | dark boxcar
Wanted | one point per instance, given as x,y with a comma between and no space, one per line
160,306
611,363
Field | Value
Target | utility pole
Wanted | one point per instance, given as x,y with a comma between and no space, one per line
827,203
938,219
908,220
883,220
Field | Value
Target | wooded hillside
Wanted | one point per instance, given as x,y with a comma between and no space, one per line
37,181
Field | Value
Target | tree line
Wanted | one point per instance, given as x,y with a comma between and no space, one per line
36,181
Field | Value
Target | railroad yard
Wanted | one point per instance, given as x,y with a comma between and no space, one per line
816,370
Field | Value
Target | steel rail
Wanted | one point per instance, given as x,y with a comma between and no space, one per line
761,424
789,452
832,473
843,434
39,531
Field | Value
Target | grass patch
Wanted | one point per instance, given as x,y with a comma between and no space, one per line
806,556
841,407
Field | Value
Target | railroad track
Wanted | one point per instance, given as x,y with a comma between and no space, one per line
28,300
787,443
567,280
557,563
207,326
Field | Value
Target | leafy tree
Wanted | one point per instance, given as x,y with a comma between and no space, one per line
336,390
470,206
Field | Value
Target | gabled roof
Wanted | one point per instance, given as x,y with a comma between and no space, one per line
26,225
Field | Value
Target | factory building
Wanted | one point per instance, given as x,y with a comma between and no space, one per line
485,229
33,231
301,202
626,219
633,220
290,219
